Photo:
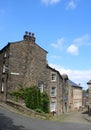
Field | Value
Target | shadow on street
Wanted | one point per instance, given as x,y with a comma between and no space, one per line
7,124
86,113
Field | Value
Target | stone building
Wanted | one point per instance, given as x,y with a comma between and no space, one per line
55,83
75,96
65,94
71,95
89,96
23,64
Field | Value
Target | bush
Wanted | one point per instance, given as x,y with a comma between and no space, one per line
38,110
33,98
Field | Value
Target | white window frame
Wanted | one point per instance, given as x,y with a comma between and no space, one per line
5,55
41,87
53,77
2,86
53,91
53,106
4,68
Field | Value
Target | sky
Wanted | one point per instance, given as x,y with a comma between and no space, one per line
61,27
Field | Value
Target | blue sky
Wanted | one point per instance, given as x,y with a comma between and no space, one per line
62,27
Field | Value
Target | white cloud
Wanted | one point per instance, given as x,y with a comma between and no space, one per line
77,76
49,2
55,57
72,49
83,40
58,44
71,4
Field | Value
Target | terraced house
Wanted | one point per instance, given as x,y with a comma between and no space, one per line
24,63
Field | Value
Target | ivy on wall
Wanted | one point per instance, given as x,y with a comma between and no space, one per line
33,98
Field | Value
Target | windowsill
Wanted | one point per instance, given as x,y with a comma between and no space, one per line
53,80
53,96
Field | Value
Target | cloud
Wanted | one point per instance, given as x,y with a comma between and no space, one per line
50,2
55,57
77,76
72,4
72,49
84,40
58,44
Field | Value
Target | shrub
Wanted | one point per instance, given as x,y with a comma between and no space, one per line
33,98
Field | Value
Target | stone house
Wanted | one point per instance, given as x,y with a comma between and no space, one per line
74,96
89,96
65,94
23,64
55,83
85,98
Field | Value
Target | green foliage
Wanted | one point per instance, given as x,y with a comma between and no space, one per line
33,98
38,110
45,102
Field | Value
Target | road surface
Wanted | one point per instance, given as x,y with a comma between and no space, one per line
13,121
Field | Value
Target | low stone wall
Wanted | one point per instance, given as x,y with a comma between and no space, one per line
25,110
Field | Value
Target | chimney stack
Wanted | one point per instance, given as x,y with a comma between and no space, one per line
29,37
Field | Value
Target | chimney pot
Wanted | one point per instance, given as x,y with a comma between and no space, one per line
32,34
26,33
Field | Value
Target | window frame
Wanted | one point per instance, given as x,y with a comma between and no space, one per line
41,87
53,77
2,86
53,106
53,91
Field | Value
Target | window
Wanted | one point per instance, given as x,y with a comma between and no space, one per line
53,106
53,91
41,87
53,77
4,67
5,55
2,89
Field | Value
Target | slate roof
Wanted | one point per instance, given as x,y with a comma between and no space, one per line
73,84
